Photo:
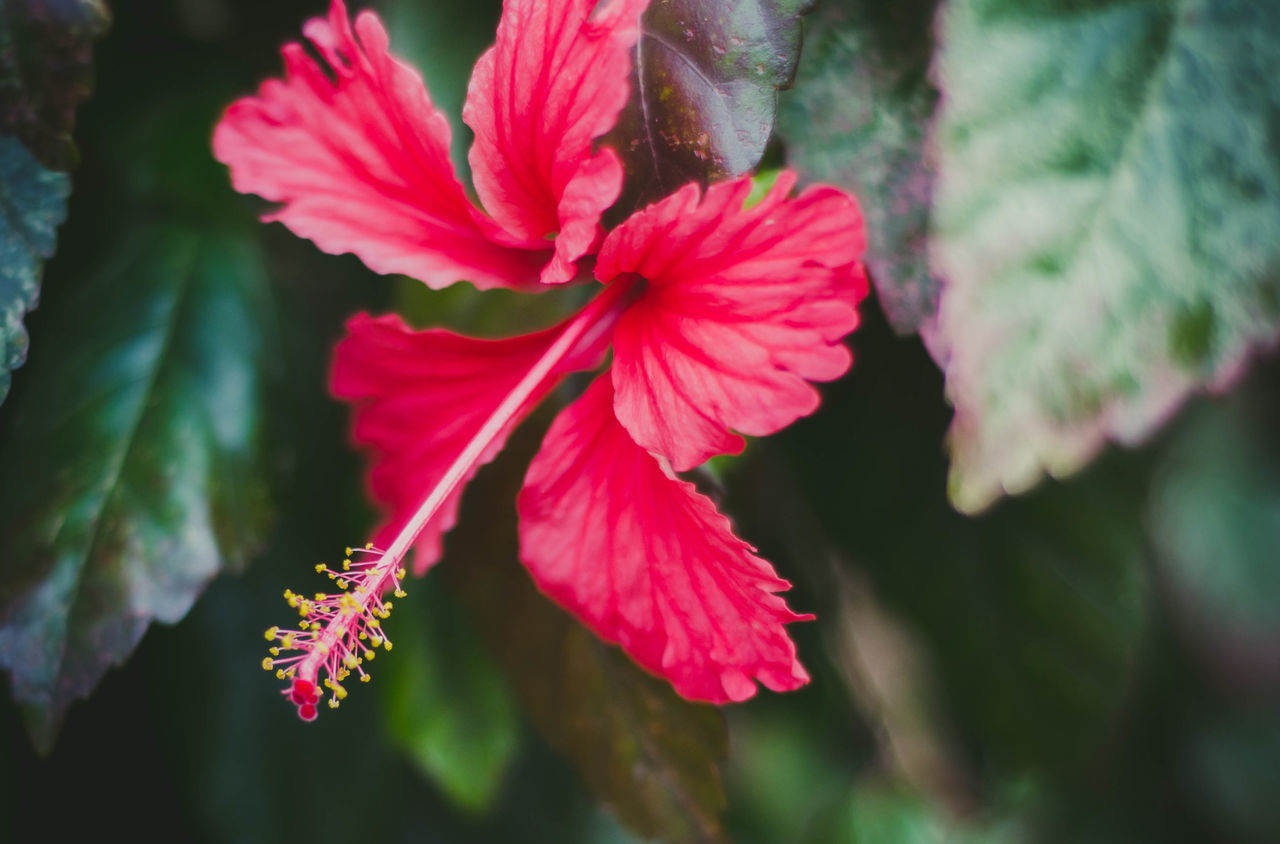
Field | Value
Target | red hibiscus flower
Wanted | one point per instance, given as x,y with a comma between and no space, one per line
719,316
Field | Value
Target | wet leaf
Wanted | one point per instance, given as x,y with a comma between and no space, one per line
858,117
649,755
46,54
704,91
33,203
1107,218
133,454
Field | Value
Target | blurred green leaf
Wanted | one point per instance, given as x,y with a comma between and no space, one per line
33,203
46,63
704,91
857,118
447,705
1107,218
1032,614
1214,517
133,454
649,755
1233,771
879,813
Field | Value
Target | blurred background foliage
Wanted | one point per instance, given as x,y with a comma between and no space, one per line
1097,660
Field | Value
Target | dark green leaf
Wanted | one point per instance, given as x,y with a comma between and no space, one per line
448,707
1107,217
33,203
131,458
878,813
1031,615
857,118
649,755
46,51
1214,516
704,91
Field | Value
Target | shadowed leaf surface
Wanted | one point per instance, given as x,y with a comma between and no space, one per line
448,707
1032,614
857,118
46,53
1214,517
649,755
136,449
1107,221
704,91
33,203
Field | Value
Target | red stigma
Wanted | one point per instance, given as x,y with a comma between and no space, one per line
305,695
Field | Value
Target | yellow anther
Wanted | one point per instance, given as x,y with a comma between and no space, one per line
374,623
348,552
364,635
368,546
333,704
364,678
400,593
320,567
287,642
340,692
376,640
387,645
368,654
342,584
271,633
267,664
350,661
273,651
400,573
279,673
320,596
322,649
333,575
346,565
387,607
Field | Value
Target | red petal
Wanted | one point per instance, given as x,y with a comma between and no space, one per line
553,83
420,397
359,157
646,561
742,309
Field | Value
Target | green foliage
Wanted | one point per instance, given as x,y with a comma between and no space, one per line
1032,613
704,91
1215,522
858,117
137,442
447,705
46,68
1092,662
642,750
32,206
1107,218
